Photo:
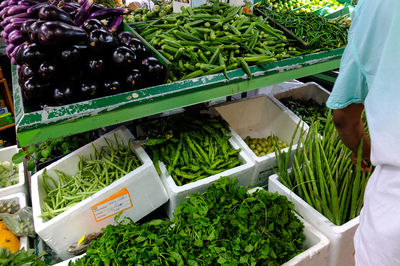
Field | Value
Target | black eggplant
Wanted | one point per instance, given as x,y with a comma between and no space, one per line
123,58
112,86
32,54
53,13
18,53
134,80
125,36
35,93
25,27
25,72
34,30
153,71
101,40
92,24
96,65
63,93
55,33
137,47
88,89
72,54
47,70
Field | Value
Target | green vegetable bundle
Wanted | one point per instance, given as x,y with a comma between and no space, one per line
224,225
315,30
213,38
323,174
106,166
197,148
307,110
22,257
8,174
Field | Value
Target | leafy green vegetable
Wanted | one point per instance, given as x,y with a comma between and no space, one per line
8,174
21,257
224,225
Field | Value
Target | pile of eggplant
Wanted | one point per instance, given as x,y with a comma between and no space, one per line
67,52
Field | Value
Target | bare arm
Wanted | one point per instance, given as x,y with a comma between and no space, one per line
350,127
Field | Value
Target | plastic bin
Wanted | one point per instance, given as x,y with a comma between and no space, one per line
177,193
6,155
21,197
259,117
341,237
136,194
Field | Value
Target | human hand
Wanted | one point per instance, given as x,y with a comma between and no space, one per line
364,162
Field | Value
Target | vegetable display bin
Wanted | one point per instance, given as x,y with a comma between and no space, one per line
341,237
308,91
259,117
6,155
177,193
135,195
21,198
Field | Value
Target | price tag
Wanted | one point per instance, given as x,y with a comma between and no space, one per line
113,205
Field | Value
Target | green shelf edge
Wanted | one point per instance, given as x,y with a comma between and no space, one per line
39,126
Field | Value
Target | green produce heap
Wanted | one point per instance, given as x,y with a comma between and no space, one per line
323,174
307,110
224,225
106,166
302,5
8,174
143,14
315,30
192,147
264,146
214,38
22,257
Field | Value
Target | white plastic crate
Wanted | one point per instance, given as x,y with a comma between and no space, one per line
259,117
21,198
341,237
177,193
140,192
6,155
308,91
316,248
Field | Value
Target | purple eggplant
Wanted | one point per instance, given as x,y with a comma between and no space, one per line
19,52
53,13
136,46
25,27
13,20
88,89
92,24
22,15
27,2
83,12
63,93
133,80
96,66
4,4
153,71
47,70
17,10
36,8
101,40
114,25
14,26
4,11
35,93
13,2
55,33
124,58
4,34
32,54
15,37
4,22
25,72
107,12
111,86
72,53
125,36
33,30
10,48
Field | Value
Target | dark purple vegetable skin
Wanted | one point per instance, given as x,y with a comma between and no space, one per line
101,40
83,12
71,54
47,70
124,58
25,27
34,30
88,89
136,46
63,93
54,33
92,24
36,94
153,71
31,54
53,13
26,72
96,65
112,86
134,80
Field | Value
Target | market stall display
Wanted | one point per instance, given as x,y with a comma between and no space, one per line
12,177
303,5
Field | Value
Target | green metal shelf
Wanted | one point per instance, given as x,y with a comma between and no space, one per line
38,126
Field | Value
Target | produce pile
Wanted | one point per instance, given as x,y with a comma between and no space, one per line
192,147
8,174
107,165
68,52
315,30
213,38
264,146
282,6
159,10
224,225
307,110
323,174
22,257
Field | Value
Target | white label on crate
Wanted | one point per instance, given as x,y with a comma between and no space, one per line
113,205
